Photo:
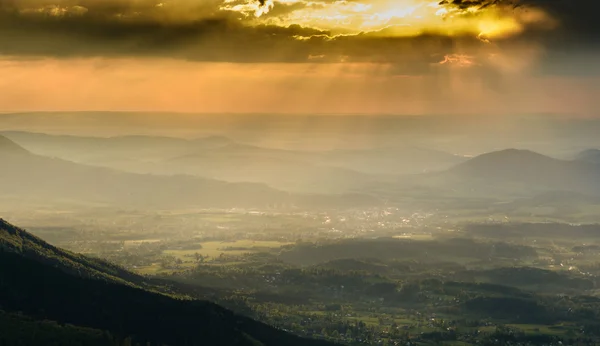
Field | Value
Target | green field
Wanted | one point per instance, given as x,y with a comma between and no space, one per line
214,249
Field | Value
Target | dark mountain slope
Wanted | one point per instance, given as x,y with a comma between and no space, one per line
18,241
16,329
45,289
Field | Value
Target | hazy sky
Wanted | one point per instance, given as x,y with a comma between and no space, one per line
301,56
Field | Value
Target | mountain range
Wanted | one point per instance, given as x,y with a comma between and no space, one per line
299,178
24,175
589,155
527,170
217,157
28,176
494,177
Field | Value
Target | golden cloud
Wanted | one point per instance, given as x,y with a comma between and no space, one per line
410,33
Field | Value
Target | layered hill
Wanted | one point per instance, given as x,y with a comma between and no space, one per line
26,175
494,179
590,155
300,171
525,171
8,147
44,283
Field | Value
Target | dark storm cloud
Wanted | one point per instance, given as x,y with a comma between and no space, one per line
201,30
96,28
579,21
105,28
578,18
570,49
573,47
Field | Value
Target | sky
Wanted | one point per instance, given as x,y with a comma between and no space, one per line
412,57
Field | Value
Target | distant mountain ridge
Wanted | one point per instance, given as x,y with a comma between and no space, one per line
530,170
494,177
210,172
28,175
9,147
505,163
589,155
219,157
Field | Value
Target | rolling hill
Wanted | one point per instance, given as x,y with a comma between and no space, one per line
590,155
525,171
212,157
39,282
283,169
95,150
217,157
396,160
492,180
510,164
8,147
26,175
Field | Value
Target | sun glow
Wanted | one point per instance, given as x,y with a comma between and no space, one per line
403,18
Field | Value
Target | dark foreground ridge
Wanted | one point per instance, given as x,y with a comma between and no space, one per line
91,302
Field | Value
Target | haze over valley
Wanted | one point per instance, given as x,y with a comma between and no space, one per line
243,219
299,173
